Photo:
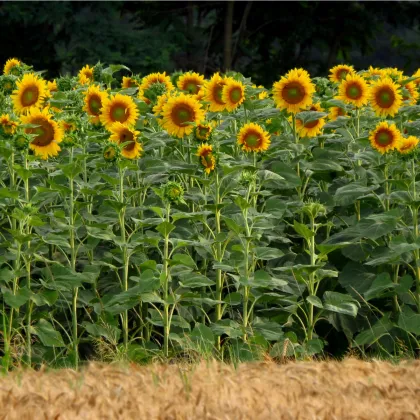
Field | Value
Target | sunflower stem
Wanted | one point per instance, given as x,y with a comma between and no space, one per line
166,323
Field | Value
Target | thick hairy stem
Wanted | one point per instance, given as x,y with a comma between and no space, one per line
166,326
219,280
311,280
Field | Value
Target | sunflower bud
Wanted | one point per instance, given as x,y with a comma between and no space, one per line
21,141
173,192
152,93
175,76
65,84
69,140
111,152
97,72
314,209
7,83
248,177
203,132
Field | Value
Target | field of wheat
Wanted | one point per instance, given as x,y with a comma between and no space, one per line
351,389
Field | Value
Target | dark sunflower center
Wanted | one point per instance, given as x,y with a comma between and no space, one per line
44,133
203,131
191,87
235,95
252,140
95,105
342,74
354,91
127,136
181,114
384,138
385,97
340,112
30,96
217,94
206,160
118,113
293,93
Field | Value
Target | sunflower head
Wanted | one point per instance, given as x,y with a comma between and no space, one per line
417,75
69,124
335,112
311,128
119,108
408,145
409,92
385,97
129,82
161,101
111,152
253,138
294,91
190,82
203,131
65,83
353,90
173,192
213,90
207,159
385,137
127,139
340,72
21,141
12,66
393,73
179,112
86,75
7,125
46,135
94,101
148,92
8,83
233,93
30,93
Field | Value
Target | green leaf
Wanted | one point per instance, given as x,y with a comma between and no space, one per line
315,300
45,297
343,304
183,259
193,280
16,300
303,230
6,193
47,334
309,116
58,240
105,234
266,253
165,228
381,284
409,321
373,334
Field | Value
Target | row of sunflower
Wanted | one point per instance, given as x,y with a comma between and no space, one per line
266,188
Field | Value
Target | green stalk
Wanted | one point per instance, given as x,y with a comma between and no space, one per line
311,279
166,325
386,187
126,258
415,209
395,305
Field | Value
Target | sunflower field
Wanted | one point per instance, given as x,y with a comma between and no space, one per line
174,216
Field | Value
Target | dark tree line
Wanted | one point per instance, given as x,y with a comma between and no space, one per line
260,39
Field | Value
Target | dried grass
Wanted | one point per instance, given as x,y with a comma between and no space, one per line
350,389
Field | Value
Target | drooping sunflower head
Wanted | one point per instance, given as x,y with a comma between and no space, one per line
213,93
340,72
119,108
161,101
294,91
336,112
190,82
7,125
173,192
385,137
385,97
127,138
408,145
409,92
11,66
203,131
86,75
253,138
207,159
311,128
93,102
178,114
353,90
233,93
154,85
30,93
46,136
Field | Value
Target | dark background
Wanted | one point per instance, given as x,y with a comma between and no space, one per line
260,39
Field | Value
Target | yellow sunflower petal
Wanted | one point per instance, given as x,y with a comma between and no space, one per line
312,128
340,72
119,108
385,137
385,97
121,134
233,93
207,159
191,82
253,138
30,93
213,93
408,145
10,63
354,90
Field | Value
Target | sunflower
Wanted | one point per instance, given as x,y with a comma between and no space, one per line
10,63
178,112
30,93
263,94
94,100
293,91
353,90
67,125
312,128
52,86
153,79
123,134
393,73
213,93
203,131
119,108
385,98
385,137
336,112
46,136
253,138
128,82
161,101
374,72
207,159
340,72
408,144
7,125
417,81
233,93
86,75
191,82
412,94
